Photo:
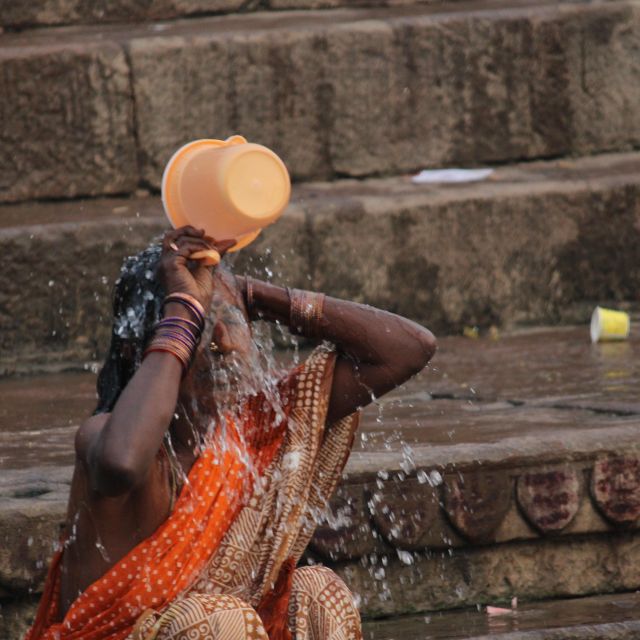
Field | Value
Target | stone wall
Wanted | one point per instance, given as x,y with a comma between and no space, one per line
335,93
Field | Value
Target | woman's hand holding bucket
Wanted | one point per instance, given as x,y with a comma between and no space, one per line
187,255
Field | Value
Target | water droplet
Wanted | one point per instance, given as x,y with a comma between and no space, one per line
435,478
405,557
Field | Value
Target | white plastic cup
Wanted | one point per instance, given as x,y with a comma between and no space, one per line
609,324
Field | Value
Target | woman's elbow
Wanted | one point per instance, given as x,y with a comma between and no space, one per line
429,345
113,474
424,349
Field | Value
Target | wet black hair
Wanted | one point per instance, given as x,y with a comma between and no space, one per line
137,305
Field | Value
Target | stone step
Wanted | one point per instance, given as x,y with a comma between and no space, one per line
479,481
614,617
539,242
47,13
344,92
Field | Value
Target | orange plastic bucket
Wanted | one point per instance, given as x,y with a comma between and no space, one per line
230,188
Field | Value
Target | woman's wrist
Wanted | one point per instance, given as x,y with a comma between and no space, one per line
178,332
269,302
177,310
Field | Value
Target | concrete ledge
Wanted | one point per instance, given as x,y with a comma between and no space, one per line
358,88
424,539
529,245
345,92
66,319
403,553
532,570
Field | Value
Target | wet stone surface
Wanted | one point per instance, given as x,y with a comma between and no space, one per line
597,617
39,416
533,385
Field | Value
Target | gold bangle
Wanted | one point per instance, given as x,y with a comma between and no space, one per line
305,312
249,294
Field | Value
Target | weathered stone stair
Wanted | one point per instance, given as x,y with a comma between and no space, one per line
536,243
97,110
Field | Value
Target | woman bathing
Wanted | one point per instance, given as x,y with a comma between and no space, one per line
197,481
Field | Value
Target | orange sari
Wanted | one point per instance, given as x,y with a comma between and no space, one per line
225,535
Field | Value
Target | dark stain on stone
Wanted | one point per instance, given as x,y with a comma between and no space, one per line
406,100
407,515
599,265
347,532
486,116
549,91
232,90
601,28
324,99
415,282
283,89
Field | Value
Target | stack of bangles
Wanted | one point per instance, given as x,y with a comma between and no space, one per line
179,336
305,312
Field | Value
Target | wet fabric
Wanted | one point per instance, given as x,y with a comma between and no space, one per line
230,533
321,607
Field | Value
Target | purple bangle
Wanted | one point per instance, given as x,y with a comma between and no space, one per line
198,315
167,325
189,341
174,326
174,320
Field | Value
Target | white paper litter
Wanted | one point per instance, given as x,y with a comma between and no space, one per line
434,176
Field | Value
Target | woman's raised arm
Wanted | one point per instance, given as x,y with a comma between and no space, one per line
119,450
377,350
